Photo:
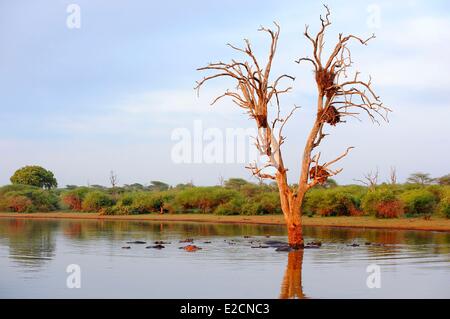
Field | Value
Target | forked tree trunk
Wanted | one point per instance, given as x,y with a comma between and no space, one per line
291,203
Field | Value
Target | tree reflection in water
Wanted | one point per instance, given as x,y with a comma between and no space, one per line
291,286
31,244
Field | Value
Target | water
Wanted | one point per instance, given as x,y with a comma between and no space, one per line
34,255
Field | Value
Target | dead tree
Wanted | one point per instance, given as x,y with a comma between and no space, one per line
113,181
221,181
370,180
338,97
393,176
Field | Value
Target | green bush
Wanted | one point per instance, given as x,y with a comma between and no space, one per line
269,203
250,190
337,202
233,207
373,199
205,199
127,199
383,203
14,202
238,197
263,204
168,208
107,211
418,202
390,209
444,208
16,188
96,200
312,200
140,203
444,205
43,200
146,202
438,191
117,210
250,208
73,198
21,198
409,187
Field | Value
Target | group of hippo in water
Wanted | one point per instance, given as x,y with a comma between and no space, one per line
278,245
159,244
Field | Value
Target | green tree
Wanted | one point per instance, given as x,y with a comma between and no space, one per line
158,186
184,186
419,178
330,183
134,187
97,186
235,183
34,176
444,180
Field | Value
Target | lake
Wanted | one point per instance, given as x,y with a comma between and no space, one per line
35,254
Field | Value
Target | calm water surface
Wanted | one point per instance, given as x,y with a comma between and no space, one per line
34,255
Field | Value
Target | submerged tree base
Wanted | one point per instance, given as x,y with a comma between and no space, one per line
295,236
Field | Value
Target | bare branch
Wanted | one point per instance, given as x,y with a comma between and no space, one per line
370,179
338,158
393,175
309,60
257,171
254,92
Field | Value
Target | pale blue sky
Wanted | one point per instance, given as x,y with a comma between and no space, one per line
81,102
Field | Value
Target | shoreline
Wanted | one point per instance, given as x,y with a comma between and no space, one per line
434,224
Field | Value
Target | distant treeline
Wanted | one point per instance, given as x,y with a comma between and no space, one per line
419,197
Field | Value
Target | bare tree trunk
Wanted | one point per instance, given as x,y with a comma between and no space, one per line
291,204
294,226
291,207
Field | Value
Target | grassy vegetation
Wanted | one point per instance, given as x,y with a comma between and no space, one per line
235,197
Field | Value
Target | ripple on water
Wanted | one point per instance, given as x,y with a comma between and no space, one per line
227,266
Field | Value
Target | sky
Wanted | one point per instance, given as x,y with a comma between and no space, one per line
110,94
